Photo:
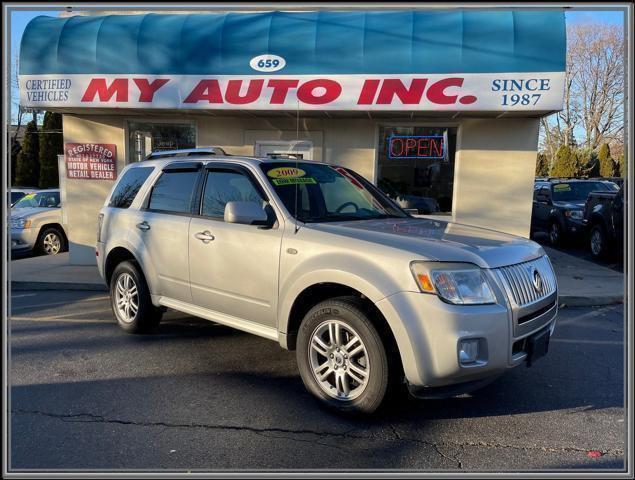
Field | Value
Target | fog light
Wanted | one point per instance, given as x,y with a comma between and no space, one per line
468,351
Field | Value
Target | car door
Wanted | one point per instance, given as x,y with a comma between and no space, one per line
617,215
233,267
542,207
164,223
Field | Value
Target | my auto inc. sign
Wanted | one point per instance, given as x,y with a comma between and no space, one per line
450,92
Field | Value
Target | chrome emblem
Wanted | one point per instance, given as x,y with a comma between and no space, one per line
537,279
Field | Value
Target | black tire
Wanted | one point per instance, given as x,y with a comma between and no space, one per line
598,242
555,234
147,317
50,241
381,364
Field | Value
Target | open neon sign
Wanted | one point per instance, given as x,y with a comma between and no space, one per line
416,146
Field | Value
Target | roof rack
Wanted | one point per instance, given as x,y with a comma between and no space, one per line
290,156
557,179
187,152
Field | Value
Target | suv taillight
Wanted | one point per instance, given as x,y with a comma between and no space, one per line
100,220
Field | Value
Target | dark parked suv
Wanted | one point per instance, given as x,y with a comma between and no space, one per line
604,220
558,206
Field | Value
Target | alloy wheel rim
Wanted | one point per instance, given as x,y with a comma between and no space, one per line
339,360
52,243
126,297
596,242
554,233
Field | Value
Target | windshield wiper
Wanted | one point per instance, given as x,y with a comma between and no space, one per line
347,218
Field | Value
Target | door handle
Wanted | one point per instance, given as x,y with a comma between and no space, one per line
143,226
205,236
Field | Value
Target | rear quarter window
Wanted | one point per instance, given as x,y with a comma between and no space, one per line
128,187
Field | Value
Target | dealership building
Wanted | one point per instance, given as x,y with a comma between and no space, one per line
439,107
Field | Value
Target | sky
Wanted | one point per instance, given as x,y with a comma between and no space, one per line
20,19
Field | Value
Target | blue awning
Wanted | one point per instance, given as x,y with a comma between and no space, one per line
320,42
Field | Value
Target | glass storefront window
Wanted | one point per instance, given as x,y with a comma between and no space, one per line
145,137
416,167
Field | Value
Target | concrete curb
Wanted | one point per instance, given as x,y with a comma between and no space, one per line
92,287
590,301
564,300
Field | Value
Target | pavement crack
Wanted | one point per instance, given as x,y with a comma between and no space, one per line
271,431
93,418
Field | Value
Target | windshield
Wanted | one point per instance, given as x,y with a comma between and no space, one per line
576,191
327,193
41,199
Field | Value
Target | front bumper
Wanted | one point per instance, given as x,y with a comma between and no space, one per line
23,239
428,332
574,227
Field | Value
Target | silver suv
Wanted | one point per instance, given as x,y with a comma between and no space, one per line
315,257
37,224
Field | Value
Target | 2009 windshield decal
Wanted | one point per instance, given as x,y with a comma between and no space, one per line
338,92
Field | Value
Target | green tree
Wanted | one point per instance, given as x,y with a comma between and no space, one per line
28,163
621,162
51,145
542,165
566,163
607,164
15,150
588,162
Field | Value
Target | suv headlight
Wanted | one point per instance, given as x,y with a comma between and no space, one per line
20,223
574,214
456,283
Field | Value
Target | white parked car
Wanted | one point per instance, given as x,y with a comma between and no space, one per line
36,224
17,193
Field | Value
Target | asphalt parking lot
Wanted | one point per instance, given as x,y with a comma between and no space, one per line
199,396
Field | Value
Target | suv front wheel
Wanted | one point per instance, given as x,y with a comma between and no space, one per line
130,299
598,242
555,234
341,357
50,241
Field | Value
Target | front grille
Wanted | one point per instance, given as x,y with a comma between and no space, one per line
519,281
536,314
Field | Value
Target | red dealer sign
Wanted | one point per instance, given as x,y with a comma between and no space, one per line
91,161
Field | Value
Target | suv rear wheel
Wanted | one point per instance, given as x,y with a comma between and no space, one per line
130,299
341,357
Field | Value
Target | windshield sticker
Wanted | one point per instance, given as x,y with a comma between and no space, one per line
294,181
29,196
348,177
562,187
286,172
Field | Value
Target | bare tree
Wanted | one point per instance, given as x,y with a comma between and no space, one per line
598,51
594,90
15,101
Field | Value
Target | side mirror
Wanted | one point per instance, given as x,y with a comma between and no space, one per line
246,213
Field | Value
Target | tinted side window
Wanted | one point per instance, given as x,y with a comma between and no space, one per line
52,199
128,187
173,191
227,186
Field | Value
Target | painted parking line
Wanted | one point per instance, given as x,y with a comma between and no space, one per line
68,315
74,302
591,342
61,320
24,295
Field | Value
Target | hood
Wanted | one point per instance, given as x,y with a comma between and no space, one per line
573,205
442,241
17,213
